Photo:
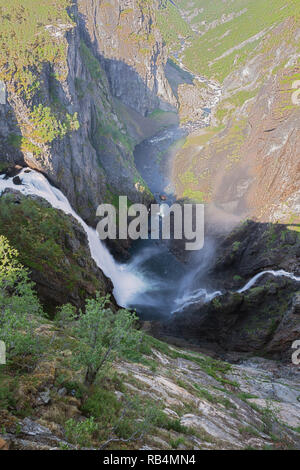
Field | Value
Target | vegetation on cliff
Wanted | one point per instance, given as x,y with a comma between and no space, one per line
230,32
55,249
32,33
172,26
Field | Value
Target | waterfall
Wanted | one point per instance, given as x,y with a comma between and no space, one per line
126,283
202,295
132,285
280,273
194,298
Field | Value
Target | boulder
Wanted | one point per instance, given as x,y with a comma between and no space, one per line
4,444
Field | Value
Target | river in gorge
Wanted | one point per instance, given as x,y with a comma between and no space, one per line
155,281
170,281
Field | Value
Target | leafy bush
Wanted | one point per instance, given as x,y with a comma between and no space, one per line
65,315
17,301
103,335
81,432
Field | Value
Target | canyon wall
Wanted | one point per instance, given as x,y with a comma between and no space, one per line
131,50
59,115
247,162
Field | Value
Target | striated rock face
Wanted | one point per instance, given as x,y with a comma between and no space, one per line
59,114
124,34
247,162
54,247
203,403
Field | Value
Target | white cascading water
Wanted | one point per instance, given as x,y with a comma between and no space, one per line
280,273
202,295
194,298
126,283
128,280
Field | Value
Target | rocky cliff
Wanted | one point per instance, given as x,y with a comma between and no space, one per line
60,73
126,38
247,162
54,247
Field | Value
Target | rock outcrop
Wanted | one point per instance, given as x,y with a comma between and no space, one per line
262,319
54,247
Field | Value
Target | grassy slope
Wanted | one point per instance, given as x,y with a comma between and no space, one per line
172,26
205,54
30,36
159,377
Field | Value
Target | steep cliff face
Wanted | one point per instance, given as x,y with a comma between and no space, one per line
125,35
58,115
247,162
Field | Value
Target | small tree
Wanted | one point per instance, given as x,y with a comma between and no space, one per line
17,301
65,315
103,335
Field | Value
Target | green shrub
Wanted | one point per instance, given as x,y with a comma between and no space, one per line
81,432
65,315
18,301
7,399
102,404
103,335
47,127
163,421
175,443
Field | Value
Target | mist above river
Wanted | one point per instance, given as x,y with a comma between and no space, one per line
170,279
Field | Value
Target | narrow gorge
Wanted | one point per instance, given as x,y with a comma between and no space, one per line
186,102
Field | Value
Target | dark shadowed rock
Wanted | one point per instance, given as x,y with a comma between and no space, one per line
17,180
